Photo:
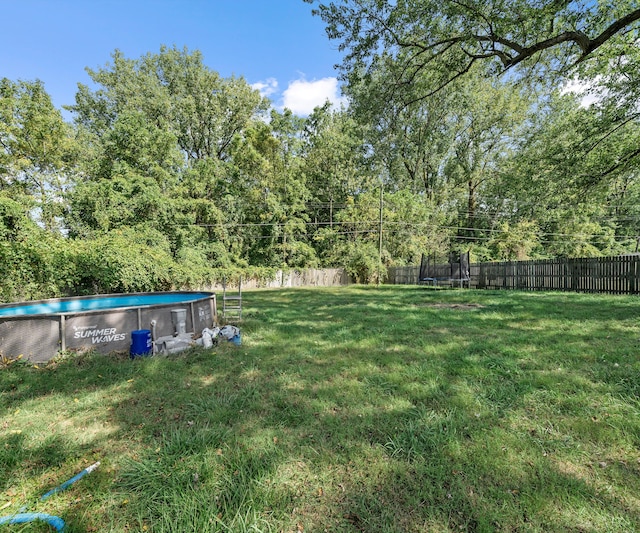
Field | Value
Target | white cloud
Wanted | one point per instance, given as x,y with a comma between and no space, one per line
302,96
267,87
589,91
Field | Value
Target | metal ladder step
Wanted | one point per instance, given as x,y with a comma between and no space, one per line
231,303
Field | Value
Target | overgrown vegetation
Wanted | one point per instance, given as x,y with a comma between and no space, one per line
354,409
172,172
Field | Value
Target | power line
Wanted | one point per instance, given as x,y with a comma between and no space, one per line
375,223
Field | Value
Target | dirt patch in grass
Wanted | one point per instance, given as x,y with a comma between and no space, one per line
461,307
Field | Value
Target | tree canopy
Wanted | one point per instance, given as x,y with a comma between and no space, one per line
170,175
447,37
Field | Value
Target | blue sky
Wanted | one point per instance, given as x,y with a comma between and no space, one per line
276,45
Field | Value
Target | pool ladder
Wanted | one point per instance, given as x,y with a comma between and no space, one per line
231,303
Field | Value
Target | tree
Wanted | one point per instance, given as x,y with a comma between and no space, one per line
333,162
399,56
273,193
158,135
486,120
570,171
36,149
128,181
34,262
447,37
176,92
517,242
208,110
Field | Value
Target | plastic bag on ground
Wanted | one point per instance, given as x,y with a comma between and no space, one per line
229,332
209,336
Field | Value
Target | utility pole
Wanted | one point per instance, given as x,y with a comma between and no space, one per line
380,232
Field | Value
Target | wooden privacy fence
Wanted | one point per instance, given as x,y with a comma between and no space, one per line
405,275
612,275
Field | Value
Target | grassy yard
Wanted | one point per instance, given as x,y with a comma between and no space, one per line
391,409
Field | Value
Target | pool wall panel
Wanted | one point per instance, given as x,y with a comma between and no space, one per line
106,331
203,315
35,339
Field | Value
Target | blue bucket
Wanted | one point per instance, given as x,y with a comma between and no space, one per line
140,343
236,339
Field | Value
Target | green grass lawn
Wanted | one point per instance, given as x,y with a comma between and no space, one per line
391,409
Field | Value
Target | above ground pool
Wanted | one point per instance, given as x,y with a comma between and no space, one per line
38,330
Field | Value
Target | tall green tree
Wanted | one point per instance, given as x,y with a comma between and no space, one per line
161,130
424,46
208,111
274,195
487,120
128,182
568,175
174,91
36,149
334,162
